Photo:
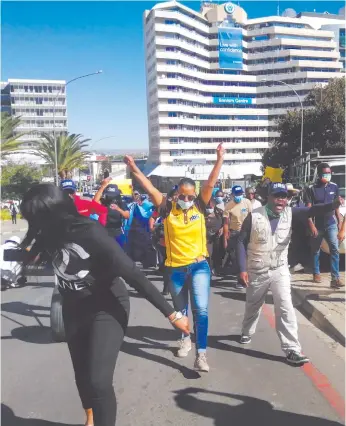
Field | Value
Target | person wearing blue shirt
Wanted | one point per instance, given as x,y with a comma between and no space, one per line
327,226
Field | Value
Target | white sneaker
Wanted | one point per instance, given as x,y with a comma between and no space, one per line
184,347
298,268
201,363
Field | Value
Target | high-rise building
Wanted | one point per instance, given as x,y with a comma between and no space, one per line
216,76
35,102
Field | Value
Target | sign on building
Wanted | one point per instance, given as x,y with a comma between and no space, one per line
230,47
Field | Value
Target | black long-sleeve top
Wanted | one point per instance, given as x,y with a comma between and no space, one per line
299,214
91,261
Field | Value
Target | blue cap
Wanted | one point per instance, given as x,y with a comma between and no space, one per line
237,190
111,191
277,188
68,184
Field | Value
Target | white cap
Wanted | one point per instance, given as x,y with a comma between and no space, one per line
290,188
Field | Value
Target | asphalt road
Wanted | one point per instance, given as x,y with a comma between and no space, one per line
246,385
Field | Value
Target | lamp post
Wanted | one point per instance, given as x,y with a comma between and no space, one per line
302,111
54,136
98,140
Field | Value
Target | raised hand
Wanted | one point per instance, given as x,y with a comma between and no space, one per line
128,159
106,182
220,151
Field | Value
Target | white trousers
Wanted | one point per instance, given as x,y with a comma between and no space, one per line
279,281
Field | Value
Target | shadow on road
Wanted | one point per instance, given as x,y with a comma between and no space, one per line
241,296
216,343
25,309
39,333
31,334
147,341
242,410
8,418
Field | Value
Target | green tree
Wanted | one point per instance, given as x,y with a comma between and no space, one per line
16,179
324,126
9,140
69,152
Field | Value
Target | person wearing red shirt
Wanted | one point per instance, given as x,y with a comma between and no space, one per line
83,206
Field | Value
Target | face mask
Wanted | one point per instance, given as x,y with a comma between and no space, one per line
185,205
209,211
238,198
326,177
219,200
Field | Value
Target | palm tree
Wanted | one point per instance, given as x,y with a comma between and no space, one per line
9,140
69,149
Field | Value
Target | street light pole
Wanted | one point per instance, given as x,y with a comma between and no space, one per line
302,112
98,140
54,136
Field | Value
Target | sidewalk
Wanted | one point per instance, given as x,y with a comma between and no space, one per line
7,227
321,304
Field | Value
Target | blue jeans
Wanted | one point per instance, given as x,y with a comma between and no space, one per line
121,240
193,279
331,236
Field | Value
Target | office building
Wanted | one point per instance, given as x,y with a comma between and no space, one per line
34,101
216,76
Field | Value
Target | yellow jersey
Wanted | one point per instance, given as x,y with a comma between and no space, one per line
185,235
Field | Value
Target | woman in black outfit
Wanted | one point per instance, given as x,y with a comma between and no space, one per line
89,265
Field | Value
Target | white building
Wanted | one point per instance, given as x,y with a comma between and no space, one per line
205,85
35,102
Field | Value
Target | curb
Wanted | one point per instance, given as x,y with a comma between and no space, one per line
319,315
13,232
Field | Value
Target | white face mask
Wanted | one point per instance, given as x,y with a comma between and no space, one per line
210,211
185,205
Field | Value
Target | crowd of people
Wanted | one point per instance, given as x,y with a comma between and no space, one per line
188,237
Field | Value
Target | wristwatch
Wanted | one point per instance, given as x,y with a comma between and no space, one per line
178,315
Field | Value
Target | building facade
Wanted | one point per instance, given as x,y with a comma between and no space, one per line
217,76
41,105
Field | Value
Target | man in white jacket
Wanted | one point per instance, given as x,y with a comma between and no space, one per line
262,253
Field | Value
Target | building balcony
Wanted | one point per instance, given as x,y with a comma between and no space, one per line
165,146
193,23
211,157
235,90
203,122
175,29
19,92
217,111
289,42
163,67
304,32
217,134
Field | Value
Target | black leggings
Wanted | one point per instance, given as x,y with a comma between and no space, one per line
95,329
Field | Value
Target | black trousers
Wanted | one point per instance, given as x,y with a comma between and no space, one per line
95,328
14,218
140,248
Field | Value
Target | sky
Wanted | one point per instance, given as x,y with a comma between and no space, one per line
62,40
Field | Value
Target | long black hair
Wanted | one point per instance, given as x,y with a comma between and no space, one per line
50,213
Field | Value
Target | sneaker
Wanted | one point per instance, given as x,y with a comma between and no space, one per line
239,285
201,363
244,340
317,278
336,283
296,358
184,347
298,268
